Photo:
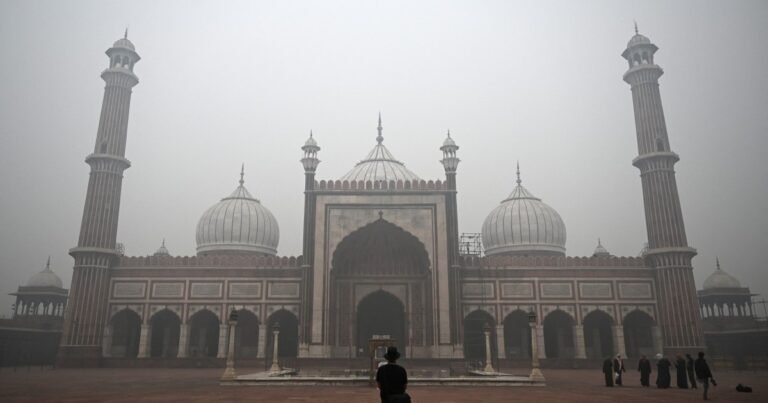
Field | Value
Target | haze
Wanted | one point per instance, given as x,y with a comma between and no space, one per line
225,83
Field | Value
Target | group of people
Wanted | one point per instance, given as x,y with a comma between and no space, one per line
690,372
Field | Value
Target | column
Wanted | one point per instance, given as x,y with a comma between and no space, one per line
658,339
578,342
618,340
144,339
262,344
222,351
106,342
183,341
500,342
540,346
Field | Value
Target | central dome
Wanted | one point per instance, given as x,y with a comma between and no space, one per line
523,225
238,223
380,165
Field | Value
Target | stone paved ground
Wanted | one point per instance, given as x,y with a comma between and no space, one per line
200,385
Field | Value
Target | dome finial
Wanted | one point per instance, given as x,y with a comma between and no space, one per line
449,133
242,173
163,244
48,263
379,138
717,262
598,242
518,174
125,36
637,32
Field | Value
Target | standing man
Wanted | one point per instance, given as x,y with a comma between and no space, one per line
608,371
644,366
618,367
392,379
703,374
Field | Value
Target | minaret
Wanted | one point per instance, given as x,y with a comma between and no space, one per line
668,250
450,163
310,163
95,253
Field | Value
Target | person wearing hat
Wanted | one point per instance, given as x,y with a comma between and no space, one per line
392,379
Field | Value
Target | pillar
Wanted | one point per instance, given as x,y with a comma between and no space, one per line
578,342
183,341
618,340
501,353
106,343
541,347
144,340
658,339
262,344
222,350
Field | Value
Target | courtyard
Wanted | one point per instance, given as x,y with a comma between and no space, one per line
201,385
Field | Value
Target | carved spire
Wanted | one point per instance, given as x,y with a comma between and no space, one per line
379,138
242,173
518,174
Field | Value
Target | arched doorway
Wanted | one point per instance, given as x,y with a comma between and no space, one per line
380,313
203,334
638,334
598,335
558,335
381,256
474,335
164,326
126,331
246,335
288,338
517,335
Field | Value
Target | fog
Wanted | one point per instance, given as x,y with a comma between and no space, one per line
225,83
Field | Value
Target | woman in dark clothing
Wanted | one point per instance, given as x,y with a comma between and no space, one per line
682,372
663,378
689,369
608,371
644,366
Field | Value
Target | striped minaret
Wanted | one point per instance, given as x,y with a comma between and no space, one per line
95,253
668,252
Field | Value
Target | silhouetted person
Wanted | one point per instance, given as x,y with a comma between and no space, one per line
392,379
663,378
608,371
618,367
682,373
703,374
644,366
689,370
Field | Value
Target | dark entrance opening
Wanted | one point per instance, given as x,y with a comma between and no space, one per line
380,313
126,329
474,336
517,335
638,334
598,335
246,335
287,339
204,334
165,334
558,335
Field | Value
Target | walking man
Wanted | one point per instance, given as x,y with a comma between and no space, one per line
618,366
608,371
644,366
703,373
689,369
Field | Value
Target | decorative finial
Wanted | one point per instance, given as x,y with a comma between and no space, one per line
125,36
449,133
636,30
518,174
48,263
379,138
163,245
598,242
717,261
242,173
310,133
381,215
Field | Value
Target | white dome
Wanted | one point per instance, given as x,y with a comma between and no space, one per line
600,249
238,223
124,43
162,250
380,165
45,278
638,39
720,279
523,225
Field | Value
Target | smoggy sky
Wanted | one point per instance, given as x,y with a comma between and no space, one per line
225,83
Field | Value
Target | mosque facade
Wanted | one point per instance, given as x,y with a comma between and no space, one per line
381,256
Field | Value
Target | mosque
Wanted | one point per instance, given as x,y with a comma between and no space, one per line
381,256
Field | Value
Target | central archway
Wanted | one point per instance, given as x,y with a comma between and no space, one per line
380,313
